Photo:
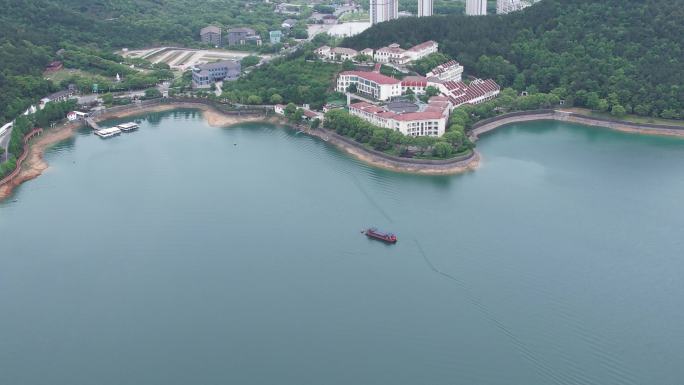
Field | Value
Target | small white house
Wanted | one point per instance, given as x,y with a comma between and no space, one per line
76,115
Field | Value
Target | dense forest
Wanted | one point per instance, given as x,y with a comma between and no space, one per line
611,54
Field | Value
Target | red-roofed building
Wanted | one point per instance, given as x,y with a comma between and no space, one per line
373,84
397,55
431,121
391,54
478,91
54,66
417,84
421,50
449,71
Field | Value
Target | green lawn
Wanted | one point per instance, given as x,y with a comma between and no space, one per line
66,73
354,16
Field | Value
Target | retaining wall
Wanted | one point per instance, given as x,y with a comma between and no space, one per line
27,138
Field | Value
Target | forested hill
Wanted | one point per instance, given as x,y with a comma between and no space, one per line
31,31
596,53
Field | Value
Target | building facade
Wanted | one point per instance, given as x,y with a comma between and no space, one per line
424,8
211,35
243,36
203,76
449,71
372,84
397,55
476,7
421,50
508,6
431,120
275,36
391,54
478,91
383,10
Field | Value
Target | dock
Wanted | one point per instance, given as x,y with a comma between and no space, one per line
92,123
107,132
128,127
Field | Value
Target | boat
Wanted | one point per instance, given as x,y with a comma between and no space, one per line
374,233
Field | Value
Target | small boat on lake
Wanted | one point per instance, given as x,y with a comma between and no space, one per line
374,233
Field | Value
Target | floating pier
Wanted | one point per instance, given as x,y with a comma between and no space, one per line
107,132
127,127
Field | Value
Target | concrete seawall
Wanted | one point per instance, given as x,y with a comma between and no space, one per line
490,124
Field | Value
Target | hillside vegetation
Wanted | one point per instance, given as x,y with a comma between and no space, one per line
609,54
32,31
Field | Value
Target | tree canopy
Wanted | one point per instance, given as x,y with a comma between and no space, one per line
622,54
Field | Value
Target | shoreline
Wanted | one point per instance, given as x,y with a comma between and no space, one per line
35,164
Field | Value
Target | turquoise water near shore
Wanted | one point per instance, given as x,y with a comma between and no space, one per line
189,254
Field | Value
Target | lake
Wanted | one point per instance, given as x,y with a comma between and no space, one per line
188,254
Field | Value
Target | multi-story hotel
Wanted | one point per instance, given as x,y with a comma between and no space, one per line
429,121
476,7
373,84
397,55
383,10
449,71
424,8
478,91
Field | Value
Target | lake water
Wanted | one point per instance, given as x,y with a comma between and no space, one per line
188,254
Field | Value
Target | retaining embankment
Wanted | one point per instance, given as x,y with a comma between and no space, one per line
27,138
377,158
490,124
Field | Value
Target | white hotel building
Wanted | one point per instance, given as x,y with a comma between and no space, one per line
373,84
449,71
429,122
397,55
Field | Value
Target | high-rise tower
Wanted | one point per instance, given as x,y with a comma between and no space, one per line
476,7
424,8
383,10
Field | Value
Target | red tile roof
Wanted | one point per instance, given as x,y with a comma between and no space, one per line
422,46
414,81
444,67
460,93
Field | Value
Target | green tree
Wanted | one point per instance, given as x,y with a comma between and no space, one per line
253,99
276,99
152,93
249,61
618,110
431,91
442,150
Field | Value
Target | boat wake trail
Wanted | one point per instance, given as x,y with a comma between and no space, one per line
370,198
544,369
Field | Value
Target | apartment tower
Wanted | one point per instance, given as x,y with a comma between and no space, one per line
476,7
424,8
383,10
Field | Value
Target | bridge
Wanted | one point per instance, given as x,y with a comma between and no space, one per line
92,123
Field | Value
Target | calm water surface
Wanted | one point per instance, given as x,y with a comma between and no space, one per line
187,254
